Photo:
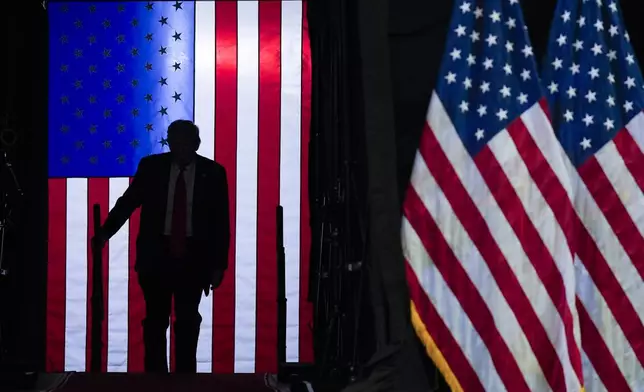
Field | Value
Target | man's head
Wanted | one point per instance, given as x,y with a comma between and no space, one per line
183,139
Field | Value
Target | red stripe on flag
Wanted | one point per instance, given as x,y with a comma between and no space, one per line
464,290
56,283
268,184
226,154
632,156
598,353
543,103
553,192
98,192
539,255
306,308
615,212
440,333
136,304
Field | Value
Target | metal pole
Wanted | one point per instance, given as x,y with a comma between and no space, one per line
97,298
281,289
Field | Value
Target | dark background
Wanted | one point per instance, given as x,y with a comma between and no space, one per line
417,34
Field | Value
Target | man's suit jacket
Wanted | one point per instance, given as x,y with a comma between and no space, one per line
209,244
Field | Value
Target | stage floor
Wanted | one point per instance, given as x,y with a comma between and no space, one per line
120,382
81,382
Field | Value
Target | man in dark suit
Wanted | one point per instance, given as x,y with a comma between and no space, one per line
182,247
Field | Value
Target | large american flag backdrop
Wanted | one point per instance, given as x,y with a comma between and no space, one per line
119,74
488,227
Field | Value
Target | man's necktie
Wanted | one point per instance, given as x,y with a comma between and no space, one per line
179,212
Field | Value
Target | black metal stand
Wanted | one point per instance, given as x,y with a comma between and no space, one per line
14,373
340,277
337,209
281,289
11,191
97,297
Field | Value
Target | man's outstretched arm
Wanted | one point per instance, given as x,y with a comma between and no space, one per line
126,204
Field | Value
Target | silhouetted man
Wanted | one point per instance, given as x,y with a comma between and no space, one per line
182,247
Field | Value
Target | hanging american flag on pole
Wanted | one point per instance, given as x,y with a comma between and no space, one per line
595,93
488,221
120,73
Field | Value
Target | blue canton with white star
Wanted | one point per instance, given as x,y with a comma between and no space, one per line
489,74
594,85
120,73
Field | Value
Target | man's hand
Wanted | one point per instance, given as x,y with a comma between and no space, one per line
217,277
215,281
98,241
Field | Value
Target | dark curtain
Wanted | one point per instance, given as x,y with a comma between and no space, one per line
354,195
24,110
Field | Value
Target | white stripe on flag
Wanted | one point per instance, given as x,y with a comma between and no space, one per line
592,383
635,127
205,76
290,167
117,287
620,177
549,146
76,275
205,119
247,147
